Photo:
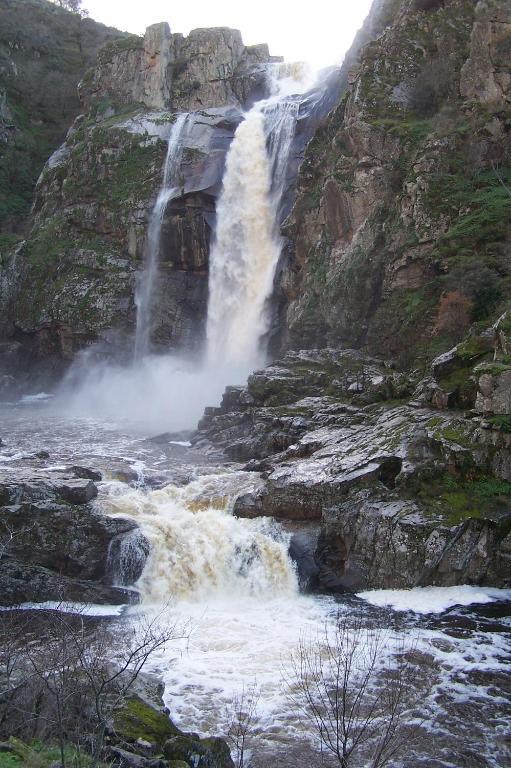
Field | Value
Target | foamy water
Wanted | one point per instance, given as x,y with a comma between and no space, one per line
434,599
230,584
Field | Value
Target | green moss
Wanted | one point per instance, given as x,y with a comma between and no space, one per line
472,349
501,422
409,129
456,498
493,368
456,434
137,720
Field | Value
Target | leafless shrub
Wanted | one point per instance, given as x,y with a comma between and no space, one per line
66,674
356,707
244,717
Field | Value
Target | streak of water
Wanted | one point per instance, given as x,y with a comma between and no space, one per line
169,189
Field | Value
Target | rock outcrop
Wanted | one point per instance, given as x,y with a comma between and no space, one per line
209,67
404,494
54,544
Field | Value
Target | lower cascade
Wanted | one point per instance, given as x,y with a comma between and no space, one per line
199,550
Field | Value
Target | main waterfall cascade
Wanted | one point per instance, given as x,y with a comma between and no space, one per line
169,189
247,246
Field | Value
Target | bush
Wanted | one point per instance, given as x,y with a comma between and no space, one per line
427,5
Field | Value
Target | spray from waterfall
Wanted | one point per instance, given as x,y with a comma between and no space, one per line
158,392
170,188
247,246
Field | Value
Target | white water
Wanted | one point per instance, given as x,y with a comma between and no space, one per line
169,189
199,550
247,245
230,584
434,599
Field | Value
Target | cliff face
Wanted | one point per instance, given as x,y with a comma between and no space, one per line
44,52
401,227
210,67
73,280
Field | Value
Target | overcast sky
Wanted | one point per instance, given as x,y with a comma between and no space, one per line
319,31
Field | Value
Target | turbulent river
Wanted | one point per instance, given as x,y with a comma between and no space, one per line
231,584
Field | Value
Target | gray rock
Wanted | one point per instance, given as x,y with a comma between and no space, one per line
379,478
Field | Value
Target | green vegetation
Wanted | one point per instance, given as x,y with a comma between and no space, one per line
500,422
456,498
127,43
44,51
478,203
136,720
38,755
411,129
456,434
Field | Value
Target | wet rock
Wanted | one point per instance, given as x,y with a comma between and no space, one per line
302,550
53,542
77,491
86,473
132,760
381,480
24,582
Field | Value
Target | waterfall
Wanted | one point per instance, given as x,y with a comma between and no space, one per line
170,188
198,549
247,246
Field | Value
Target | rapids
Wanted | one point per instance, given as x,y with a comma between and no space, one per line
230,585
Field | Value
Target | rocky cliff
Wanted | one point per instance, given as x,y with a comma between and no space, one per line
401,228
44,52
72,281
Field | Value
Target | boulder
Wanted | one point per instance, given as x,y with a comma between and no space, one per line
55,544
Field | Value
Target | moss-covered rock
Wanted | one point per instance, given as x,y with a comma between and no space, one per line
139,720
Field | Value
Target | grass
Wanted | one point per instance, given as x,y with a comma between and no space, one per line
503,423
38,755
410,129
457,499
478,203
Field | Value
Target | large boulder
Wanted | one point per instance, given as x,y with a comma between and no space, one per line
55,544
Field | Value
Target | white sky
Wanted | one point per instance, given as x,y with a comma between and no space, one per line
318,31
